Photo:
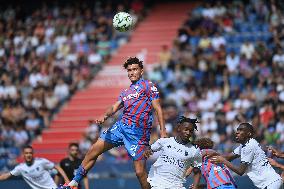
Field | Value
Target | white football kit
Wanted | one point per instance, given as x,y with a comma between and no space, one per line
168,172
259,169
37,175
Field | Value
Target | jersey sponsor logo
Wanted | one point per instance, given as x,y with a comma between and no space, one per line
173,161
130,96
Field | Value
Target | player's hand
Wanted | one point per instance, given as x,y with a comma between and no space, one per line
164,134
209,154
147,153
100,120
272,162
274,151
217,159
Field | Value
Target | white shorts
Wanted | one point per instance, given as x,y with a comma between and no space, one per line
278,184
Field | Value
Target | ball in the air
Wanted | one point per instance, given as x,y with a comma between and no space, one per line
122,21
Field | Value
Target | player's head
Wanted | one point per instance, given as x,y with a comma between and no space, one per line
73,149
185,128
28,154
244,132
134,68
204,143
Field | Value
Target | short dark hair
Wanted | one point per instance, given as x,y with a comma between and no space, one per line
248,126
204,143
133,60
183,119
27,146
73,144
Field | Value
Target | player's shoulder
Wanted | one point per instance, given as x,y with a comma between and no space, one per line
194,148
40,160
252,143
146,82
64,160
166,140
20,165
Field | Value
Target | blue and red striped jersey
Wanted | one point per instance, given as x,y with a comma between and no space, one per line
215,174
137,100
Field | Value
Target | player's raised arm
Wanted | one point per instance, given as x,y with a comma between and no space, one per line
231,156
109,112
240,170
158,109
276,164
5,176
276,152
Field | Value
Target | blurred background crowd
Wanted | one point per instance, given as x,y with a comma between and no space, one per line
226,66
47,52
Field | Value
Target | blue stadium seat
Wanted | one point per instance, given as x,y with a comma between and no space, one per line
3,163
245,28
252,18
193,41
229,38
238,38
256,28
265,27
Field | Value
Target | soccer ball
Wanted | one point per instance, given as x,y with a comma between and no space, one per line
122,21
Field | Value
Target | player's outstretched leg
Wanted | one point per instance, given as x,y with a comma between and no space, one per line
141,173
90,159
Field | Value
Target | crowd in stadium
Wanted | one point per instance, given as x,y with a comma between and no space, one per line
226,66
45,56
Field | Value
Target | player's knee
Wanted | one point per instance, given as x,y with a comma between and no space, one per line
140,173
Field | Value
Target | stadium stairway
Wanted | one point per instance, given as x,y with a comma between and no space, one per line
159,28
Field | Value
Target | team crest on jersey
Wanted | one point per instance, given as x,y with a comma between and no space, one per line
153,88
186,153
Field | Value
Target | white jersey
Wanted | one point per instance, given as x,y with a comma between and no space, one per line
37,175
175,158
259,169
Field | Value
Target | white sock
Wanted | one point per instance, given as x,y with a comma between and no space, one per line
73,183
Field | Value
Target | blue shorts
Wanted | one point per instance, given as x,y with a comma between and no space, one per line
135,139
231,186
